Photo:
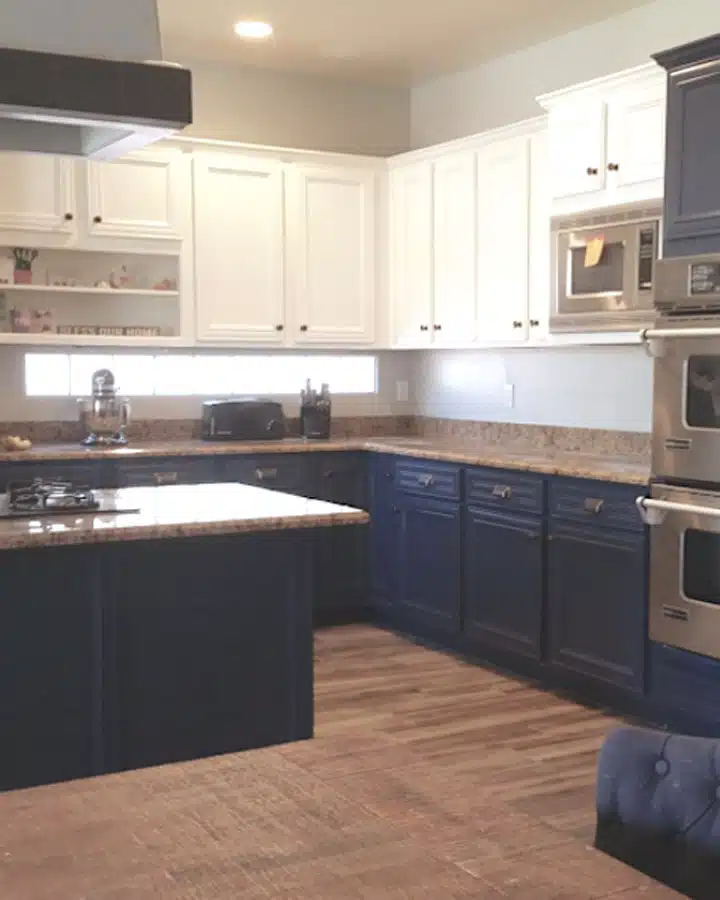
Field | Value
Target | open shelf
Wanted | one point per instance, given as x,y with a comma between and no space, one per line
90,340
62,289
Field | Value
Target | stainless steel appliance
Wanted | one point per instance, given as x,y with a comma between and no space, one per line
54,498
686,345
604,270
105,416
685,567
242,420
86,78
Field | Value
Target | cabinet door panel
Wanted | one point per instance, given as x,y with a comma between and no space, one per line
50,658
636,141
273,471
597,603
430,559
503,239
454,319
159,472
692,185
332,255
384,533
239,247
143,195
411,247
504,581
540,249
577,148
37,193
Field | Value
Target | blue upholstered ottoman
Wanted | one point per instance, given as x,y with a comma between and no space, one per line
658,800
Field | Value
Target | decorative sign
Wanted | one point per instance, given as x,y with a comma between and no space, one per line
111,330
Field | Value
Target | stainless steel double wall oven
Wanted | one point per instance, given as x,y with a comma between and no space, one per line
684,504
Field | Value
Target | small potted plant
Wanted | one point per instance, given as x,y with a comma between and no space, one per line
24,258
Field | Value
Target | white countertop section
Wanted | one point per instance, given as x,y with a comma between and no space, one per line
178,511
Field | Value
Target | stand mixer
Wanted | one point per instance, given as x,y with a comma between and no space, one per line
104,416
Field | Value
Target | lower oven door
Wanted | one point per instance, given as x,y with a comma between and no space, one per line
684,568
686,409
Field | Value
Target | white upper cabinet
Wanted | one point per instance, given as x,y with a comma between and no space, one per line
577,148
503,238
331,254
142,196
239,249
37,194
454,260
411,254
607,141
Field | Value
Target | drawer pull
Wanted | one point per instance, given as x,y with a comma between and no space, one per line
264,474
164,478
502,492
426,480
593,506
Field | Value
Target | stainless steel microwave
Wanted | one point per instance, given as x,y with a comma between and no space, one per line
604,270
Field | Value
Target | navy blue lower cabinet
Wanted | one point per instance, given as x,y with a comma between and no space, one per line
504,580
163,471
50,658
384,534
684,690
95,472
212,647
429,552
290,473
597,602
341,559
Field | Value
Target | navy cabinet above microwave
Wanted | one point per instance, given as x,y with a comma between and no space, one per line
692,175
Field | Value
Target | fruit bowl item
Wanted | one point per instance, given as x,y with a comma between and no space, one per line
13,443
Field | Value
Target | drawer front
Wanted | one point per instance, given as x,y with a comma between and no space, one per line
596,502
499,489
161,472
429,479
275,471
94,474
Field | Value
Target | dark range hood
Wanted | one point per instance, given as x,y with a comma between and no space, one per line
93,88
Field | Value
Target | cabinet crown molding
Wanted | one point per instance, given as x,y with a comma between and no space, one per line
472,142
647,73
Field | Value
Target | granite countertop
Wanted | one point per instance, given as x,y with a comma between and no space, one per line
549,461
178,511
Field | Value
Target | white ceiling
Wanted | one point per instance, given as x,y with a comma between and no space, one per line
394,41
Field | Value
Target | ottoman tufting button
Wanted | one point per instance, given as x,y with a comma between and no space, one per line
662,767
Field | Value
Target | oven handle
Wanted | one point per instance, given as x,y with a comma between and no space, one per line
653,512
651,338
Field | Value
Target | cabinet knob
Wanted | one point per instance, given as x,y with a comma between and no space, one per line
591,170
426,481
164,478
502,492
517,324
303,328
594,506
613,167
97,219
69,217
534,323
279,328
437,327
389,476
396,510
424,328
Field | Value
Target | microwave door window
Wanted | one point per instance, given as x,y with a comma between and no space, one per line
702,392
604,278
701,566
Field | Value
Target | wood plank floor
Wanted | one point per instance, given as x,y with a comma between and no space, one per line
428,778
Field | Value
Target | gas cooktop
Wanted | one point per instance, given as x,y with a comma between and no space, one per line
52,498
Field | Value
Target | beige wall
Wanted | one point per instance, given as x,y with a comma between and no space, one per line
504,91
302,111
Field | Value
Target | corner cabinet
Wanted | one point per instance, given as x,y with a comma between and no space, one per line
331,254
692,188
239,249
607,140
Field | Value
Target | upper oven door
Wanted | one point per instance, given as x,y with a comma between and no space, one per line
684,568
686,410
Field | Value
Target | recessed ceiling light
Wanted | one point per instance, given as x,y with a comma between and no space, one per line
253,30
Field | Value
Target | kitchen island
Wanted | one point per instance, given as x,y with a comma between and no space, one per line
179,631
